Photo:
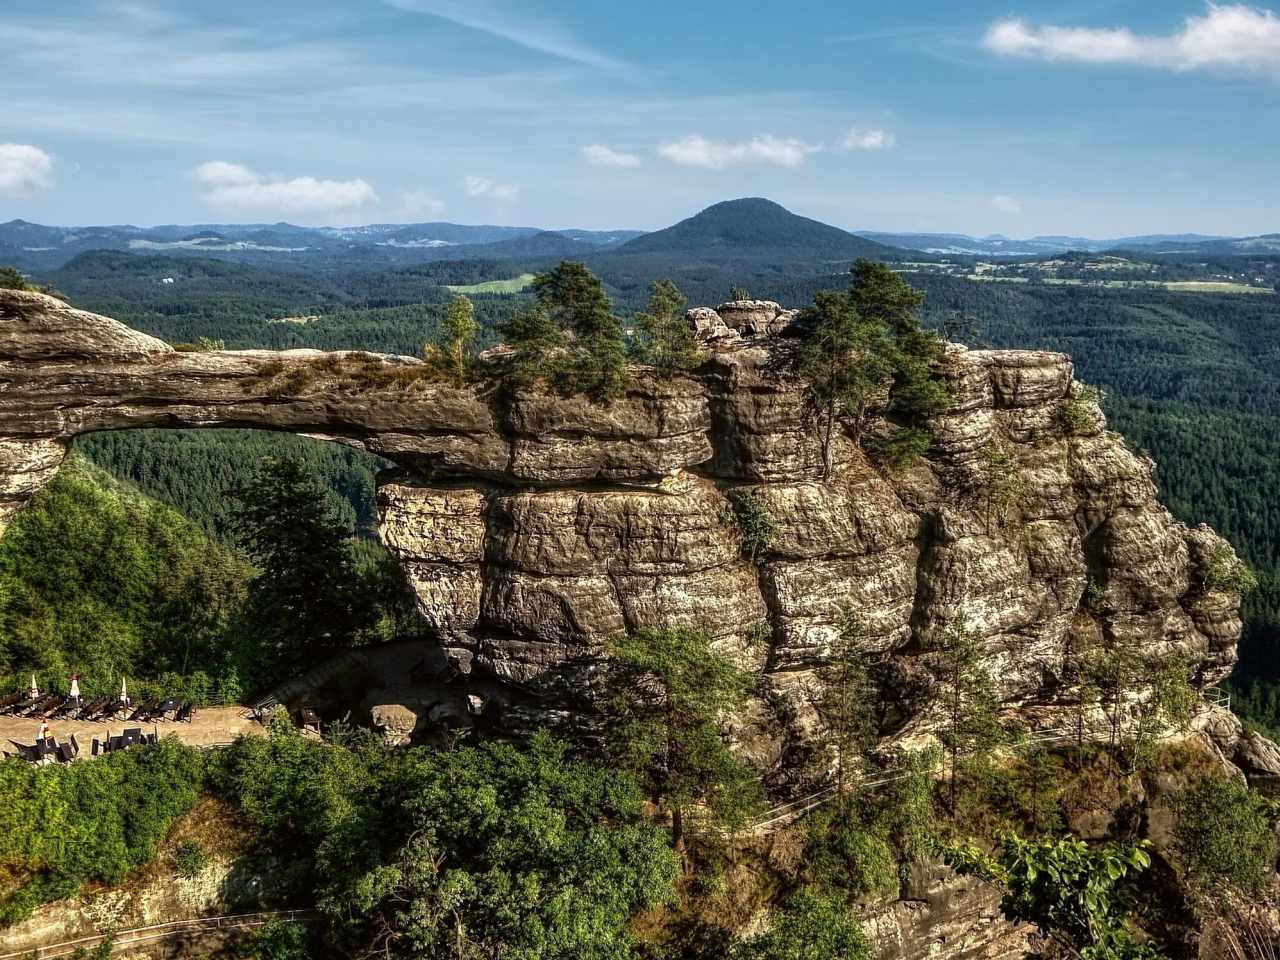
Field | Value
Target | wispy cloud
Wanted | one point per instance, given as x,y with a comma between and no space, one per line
1232,38
867,138
231,186
420,203
497,192
24,170
1003,204
698,151
598,155
512,23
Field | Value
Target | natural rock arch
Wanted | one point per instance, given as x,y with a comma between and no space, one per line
533,527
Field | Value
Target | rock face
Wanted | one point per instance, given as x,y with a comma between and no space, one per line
535,528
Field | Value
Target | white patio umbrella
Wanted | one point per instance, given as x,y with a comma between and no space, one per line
34,690
74,693
124,691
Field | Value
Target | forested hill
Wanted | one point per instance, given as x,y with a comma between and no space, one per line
736,227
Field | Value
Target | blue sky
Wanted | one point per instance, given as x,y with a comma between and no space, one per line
1084,118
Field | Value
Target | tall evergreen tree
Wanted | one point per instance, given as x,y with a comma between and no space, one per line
669,345
571,340
304,599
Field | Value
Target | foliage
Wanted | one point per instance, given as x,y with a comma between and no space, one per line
669,691
1224,835
848,705
11,279
279,939
911,821
757,526
99,581
668,342
964,697
90,821
189,859
570,340
848,847
856,343
458,332
1079,896
901,449
1000,481
1075,416
482,852
810,927
1223,571
305,599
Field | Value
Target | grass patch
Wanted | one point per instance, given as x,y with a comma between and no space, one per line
514,285
1214,286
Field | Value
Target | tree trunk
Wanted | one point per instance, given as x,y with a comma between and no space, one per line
677,831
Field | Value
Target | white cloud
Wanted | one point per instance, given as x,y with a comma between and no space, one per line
233,186
598,155
1004,204
867,138
420,203
497,192
24,170
1232,38
698,151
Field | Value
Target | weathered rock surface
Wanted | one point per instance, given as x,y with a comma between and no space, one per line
533,529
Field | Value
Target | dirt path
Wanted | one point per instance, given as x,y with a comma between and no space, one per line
211,725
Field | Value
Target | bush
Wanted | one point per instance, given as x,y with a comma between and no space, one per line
810,927
189,859
1075,416
96,821
756,525
900,450
1224,571
1223,835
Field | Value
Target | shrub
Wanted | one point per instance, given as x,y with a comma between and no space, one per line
1224,571
900,450
1223,835
756,525
1075,416
189,859
810,927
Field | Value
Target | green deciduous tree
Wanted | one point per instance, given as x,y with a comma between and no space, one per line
668,343
809,927
1000,482
670,692
458,332
1078,896
1224,836
965,697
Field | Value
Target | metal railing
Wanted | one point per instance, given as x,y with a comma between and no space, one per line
160,931
794,810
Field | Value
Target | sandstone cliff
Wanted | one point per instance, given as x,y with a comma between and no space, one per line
532,528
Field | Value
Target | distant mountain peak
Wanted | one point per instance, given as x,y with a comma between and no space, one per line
754,223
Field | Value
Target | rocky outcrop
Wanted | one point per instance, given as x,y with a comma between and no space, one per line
535,528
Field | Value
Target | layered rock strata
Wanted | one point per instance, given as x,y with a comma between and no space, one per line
534,528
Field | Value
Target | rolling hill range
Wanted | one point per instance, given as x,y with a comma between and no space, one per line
960,244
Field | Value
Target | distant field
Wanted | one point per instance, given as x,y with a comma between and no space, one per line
1203,286
514,285
1214,286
